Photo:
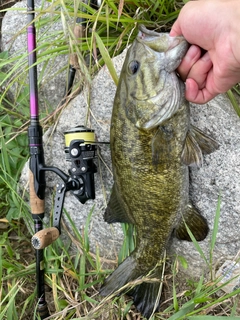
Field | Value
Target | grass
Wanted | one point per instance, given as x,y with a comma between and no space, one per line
73,280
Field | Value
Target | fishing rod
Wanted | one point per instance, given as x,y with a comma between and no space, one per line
37,182
80,150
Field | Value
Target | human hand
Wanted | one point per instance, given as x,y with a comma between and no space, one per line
212,26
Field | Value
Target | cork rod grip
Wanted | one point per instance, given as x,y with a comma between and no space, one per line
37,205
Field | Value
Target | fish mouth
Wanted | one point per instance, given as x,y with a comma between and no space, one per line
160,42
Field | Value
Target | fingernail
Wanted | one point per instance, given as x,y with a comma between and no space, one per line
193,51
206,57
187,85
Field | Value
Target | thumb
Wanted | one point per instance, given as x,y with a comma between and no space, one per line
176,29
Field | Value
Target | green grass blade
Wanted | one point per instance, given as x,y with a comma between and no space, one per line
197,246
175,301
216,223
86,230
106,58
1,269
214,233
234,102
181,314
82,269
10,302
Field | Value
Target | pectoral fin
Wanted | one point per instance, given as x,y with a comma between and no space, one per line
115,211
197,143
195,222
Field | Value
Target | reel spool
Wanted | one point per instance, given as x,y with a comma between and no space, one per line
81,133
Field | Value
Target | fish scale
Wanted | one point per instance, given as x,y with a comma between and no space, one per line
152,145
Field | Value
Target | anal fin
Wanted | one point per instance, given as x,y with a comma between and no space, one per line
197,143
195,222
115,211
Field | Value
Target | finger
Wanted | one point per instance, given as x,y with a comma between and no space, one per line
200,70
191,57
176,29
196,95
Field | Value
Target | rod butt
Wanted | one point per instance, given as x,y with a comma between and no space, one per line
42,311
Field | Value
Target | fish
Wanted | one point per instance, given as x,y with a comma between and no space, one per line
152,146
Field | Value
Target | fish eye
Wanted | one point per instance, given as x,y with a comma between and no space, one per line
133,66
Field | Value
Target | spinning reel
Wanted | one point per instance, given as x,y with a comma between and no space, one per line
80,150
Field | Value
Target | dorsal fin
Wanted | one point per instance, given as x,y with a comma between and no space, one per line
197,143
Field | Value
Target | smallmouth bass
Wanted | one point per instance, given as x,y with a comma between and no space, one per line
152,145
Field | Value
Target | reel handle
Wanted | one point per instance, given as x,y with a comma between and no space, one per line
45,237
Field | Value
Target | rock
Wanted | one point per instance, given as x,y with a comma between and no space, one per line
14,40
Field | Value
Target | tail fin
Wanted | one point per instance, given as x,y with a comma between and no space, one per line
146,295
